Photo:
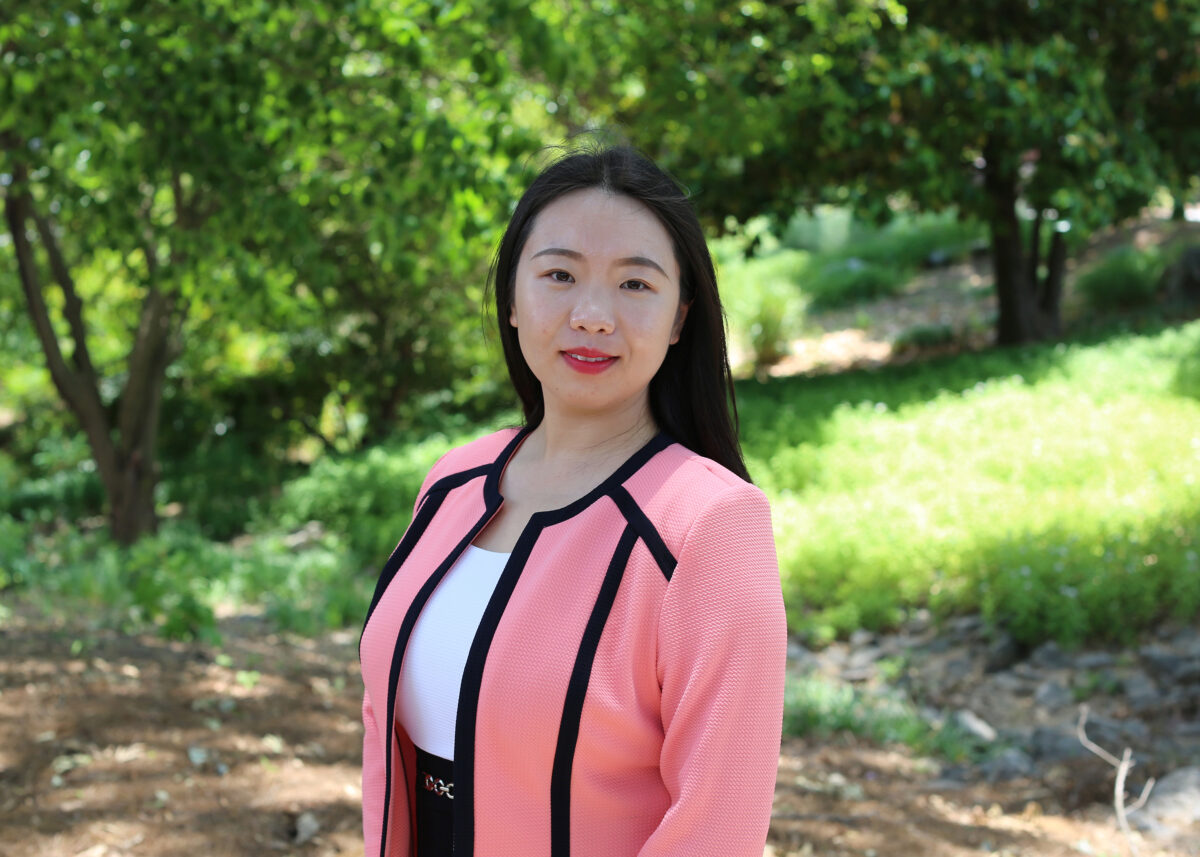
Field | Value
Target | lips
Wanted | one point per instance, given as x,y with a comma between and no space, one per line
588,360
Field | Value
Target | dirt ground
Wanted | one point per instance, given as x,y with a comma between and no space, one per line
130,745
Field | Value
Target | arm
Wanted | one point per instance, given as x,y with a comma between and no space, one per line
373,780
721,655
374,774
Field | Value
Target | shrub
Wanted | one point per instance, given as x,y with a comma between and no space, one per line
763,306
1126,278
925,336
819,706
848,280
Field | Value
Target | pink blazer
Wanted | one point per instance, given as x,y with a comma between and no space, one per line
624,692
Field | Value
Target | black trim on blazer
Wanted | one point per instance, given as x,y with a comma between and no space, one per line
646,530
426,509
472,683
568,730
401,645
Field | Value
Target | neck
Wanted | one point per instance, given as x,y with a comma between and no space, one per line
566,438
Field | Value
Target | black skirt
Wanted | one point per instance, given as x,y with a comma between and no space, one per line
434,805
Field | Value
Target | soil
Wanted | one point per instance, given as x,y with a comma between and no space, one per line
115,744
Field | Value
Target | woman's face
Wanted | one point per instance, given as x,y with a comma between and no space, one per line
596,303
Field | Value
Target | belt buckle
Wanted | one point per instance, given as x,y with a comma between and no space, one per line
437,785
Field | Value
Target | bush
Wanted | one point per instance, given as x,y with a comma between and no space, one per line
763,306
1126,278
821,707
849,280
366,498
925,336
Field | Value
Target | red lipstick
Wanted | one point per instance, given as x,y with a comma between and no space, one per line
589,361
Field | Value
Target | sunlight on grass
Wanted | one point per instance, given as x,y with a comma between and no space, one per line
1053,503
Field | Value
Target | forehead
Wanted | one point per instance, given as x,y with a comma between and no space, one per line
602,225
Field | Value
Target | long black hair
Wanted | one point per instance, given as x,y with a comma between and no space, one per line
692,396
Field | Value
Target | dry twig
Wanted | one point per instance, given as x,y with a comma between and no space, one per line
1122,765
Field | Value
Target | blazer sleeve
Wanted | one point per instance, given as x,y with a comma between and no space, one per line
722,647
373,766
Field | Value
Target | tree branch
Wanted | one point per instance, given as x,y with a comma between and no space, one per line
148,359
72,305
81,395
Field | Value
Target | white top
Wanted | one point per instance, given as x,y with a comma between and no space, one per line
427,698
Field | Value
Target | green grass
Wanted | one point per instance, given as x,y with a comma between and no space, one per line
1057,489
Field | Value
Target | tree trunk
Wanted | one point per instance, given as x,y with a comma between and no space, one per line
124,453
1028,311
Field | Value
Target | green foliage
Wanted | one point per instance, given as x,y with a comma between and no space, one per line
57,481
821,707
851,280
165,581
924,336
1126,278
913,242
367,498
306,589
882,105
764,307
1054,488
18,567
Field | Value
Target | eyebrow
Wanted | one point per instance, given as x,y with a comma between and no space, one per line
639,261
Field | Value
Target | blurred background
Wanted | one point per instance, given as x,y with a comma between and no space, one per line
241,313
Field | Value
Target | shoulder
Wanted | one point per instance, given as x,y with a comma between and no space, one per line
688,497
477,454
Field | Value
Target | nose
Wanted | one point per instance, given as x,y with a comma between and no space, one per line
593,311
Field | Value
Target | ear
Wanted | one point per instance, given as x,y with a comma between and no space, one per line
512,314
680,315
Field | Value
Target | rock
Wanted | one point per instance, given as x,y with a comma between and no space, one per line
1173,811
956,669
1094,661
862,637
1002,653
1187,641
966,626
307,827
801,658
1140,692
1050,656
973,724
1169,666
864,657
1052,695
1114,735
1011,764
1055,745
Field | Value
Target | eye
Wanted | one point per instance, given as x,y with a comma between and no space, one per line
560,276
636,285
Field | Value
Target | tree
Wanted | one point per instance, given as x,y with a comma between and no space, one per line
1008,110
191,165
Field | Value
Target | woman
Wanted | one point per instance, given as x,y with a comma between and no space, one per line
578,646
